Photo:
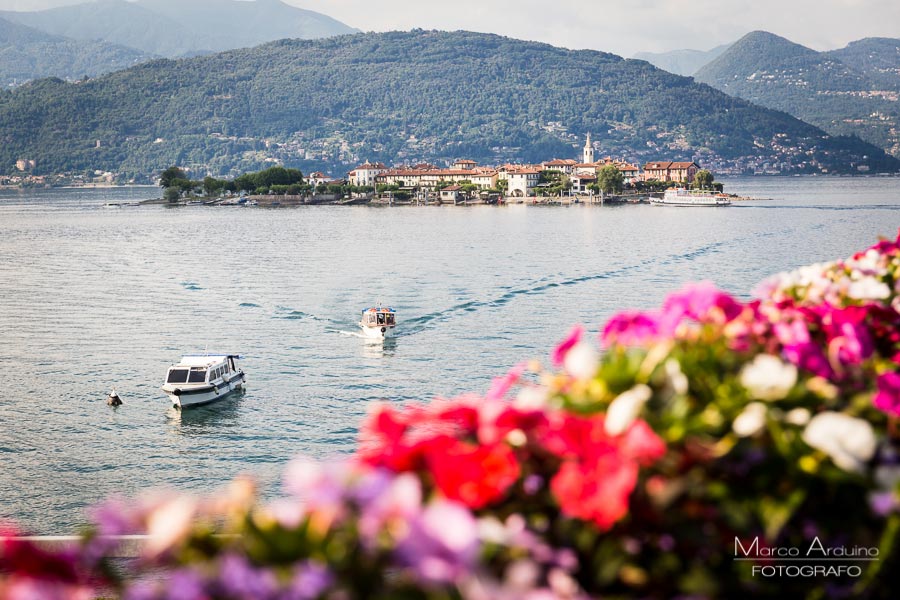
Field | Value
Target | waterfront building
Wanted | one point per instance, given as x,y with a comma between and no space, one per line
679,172
366,173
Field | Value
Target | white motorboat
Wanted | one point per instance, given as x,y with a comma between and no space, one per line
378,322
684,197
201,379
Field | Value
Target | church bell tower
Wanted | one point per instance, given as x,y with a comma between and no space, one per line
588,153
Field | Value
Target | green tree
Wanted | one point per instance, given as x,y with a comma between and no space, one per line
212,185
172,194
703,179
610,179
167,177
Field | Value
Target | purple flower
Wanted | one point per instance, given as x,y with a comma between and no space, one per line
185,584
311,580
239,579
441,545
883,503
887,399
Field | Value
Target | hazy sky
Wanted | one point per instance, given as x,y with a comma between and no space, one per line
620,26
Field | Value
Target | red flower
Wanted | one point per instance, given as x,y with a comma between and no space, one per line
473,474
382,440
597,492
599,471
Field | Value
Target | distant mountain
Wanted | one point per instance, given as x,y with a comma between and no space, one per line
402,97
27,54
682,62
175,28
845,92
878,58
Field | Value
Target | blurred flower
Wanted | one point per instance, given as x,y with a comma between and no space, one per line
311,579
850,442
559,353
442,543
625,408
751,420
768,377
169,524
887,399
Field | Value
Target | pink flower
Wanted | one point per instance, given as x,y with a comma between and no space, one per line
501,385
631,328
701,302
887,398
559,353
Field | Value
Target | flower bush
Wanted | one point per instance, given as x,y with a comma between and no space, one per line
703,441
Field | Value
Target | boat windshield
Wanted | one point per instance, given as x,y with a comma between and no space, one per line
198,375
177,376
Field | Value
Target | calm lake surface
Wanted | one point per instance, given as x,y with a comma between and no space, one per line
94,297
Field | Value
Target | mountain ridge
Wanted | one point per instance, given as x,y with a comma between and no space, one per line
845,91
26,54
401,97
172,28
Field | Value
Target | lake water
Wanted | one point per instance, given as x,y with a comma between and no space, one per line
94,297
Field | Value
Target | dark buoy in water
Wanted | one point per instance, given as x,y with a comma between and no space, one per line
113,399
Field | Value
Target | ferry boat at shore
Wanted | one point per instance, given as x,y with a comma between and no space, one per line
685,197
377,323
202,378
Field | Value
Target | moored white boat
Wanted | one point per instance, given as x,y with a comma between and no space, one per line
378,322
201,379
684,197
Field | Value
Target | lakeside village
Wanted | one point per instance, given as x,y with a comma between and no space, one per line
557,181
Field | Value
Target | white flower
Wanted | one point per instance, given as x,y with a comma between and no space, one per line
532,397
798,416
169,524
850,442
676,378
581,361
751,420
768,377
625,408
868,288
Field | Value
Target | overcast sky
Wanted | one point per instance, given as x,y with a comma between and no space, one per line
619,26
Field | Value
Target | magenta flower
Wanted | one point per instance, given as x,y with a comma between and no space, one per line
631,328
849,342
701,302
887,398
559,353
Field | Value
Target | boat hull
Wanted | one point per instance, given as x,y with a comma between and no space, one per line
376,333
185,396
687,203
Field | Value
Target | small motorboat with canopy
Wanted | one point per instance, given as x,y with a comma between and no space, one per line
378,322
202,378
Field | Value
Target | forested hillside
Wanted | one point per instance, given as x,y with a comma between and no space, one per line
407,96
852,91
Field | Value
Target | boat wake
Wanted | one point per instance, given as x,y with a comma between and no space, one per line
346,333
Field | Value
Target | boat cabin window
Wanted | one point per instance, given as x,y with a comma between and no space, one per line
198,375
177,376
